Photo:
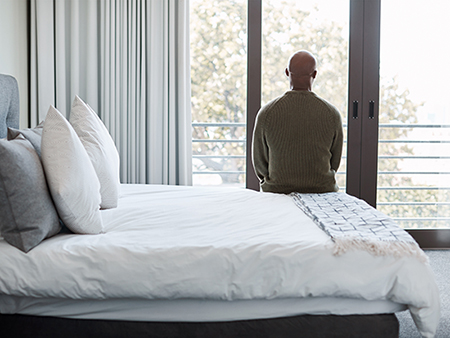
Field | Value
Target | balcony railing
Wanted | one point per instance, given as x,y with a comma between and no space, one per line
212,141
434,197
408,190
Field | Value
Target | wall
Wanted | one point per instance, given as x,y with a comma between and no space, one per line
13,49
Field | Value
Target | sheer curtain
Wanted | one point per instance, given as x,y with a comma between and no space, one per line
129,59
63,54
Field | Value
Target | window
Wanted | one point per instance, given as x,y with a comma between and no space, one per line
320,26
414,146
393,104
219,83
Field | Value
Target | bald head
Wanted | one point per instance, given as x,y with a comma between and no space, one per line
301,70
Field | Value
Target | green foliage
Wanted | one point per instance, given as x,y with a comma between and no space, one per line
287,29
218,63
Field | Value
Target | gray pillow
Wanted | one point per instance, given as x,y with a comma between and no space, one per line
33,135
28,215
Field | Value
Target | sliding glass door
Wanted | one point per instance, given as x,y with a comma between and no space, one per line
387,74
218,41
319,26
414,146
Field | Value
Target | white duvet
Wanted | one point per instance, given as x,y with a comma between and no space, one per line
171,242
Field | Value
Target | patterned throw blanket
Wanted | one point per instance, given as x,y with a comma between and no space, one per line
353,224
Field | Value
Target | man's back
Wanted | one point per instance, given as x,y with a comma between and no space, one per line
297,144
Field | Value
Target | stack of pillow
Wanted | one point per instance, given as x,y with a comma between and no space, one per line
60,170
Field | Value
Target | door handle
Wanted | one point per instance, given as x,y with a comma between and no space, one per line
355,109
371,110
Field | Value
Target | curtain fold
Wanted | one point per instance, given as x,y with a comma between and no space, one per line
129,59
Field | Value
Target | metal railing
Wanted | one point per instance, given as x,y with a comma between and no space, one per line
219,141
393,189
434,209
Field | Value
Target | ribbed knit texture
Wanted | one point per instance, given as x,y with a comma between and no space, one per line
297,144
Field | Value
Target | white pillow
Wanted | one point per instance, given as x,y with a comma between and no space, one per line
100,148
72,180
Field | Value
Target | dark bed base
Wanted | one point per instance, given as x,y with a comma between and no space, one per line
305,326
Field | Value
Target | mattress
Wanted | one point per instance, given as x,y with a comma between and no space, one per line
194,310
211,246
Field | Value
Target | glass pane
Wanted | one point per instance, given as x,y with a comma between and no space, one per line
218,39
321,27
414,146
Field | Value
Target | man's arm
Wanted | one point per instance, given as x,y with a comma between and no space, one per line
336,147
260,151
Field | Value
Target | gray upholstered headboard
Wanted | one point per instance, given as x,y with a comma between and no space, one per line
9,104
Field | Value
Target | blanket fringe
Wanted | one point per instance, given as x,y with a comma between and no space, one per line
379,248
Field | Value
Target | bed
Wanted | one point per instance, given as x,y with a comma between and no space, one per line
191,254
176,261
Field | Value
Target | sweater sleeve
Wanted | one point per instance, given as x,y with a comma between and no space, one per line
336,147
260,151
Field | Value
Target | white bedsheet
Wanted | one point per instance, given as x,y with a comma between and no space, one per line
170,242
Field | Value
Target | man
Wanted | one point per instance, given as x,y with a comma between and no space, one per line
298,137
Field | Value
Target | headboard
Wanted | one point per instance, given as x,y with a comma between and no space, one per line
9,104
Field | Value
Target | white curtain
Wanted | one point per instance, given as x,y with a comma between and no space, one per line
64,55
129,59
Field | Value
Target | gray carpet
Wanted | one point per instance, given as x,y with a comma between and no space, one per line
440,263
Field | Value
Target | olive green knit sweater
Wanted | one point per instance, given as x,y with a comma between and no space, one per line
297,144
